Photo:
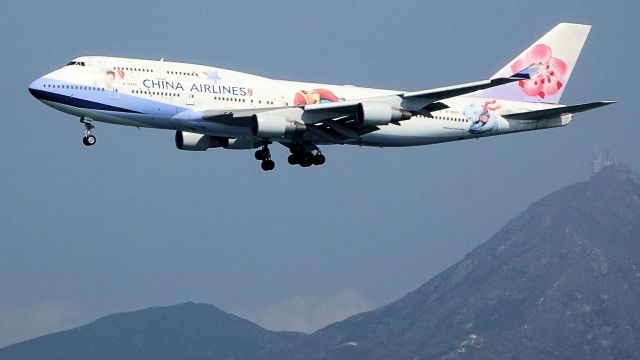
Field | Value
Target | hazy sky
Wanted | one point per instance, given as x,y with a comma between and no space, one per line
132,222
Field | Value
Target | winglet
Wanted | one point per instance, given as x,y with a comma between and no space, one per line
524,74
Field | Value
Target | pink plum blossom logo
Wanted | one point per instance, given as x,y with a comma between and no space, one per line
547,72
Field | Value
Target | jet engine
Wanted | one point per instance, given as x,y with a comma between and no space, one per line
375,113
269,126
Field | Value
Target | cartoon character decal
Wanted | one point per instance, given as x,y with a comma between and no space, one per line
315,96
482,118
112,78
547,73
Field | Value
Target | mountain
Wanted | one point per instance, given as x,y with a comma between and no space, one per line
559,281
186,331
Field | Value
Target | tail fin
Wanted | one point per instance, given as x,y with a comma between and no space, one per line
550,61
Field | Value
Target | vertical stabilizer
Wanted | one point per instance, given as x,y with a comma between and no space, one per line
550,60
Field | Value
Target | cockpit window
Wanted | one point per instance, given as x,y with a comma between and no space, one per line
77,63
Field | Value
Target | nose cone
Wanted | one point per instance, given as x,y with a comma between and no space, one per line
35,88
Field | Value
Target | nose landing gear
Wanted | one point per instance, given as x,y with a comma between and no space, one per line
88,138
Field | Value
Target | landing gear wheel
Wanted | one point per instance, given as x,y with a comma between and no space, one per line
268,165
262,154
319,159
305,155
89,140
307,160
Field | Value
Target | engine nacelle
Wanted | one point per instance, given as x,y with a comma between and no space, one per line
199,142
270,126
376,113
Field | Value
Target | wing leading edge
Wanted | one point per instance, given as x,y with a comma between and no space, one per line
463,89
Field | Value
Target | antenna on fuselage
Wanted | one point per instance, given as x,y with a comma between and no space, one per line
161,59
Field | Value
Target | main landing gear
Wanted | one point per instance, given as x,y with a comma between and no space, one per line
264,155
305,155
88,138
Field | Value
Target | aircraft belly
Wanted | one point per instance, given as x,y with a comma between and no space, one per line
415,132
93,114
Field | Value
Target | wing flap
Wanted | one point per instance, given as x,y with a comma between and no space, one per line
325,134
342,129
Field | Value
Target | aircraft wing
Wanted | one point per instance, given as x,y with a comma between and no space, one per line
337,122
427,97
557,111
462,89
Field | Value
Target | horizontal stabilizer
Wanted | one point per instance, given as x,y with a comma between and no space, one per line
557,111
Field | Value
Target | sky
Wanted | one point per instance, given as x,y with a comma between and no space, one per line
133,222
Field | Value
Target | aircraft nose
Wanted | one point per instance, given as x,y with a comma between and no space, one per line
34,88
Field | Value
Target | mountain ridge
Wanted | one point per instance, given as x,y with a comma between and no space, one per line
188,330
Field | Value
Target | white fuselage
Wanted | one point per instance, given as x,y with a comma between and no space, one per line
164,95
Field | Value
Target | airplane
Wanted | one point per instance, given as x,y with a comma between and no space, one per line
210,107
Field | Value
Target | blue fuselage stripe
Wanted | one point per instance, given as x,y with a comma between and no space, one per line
76,102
